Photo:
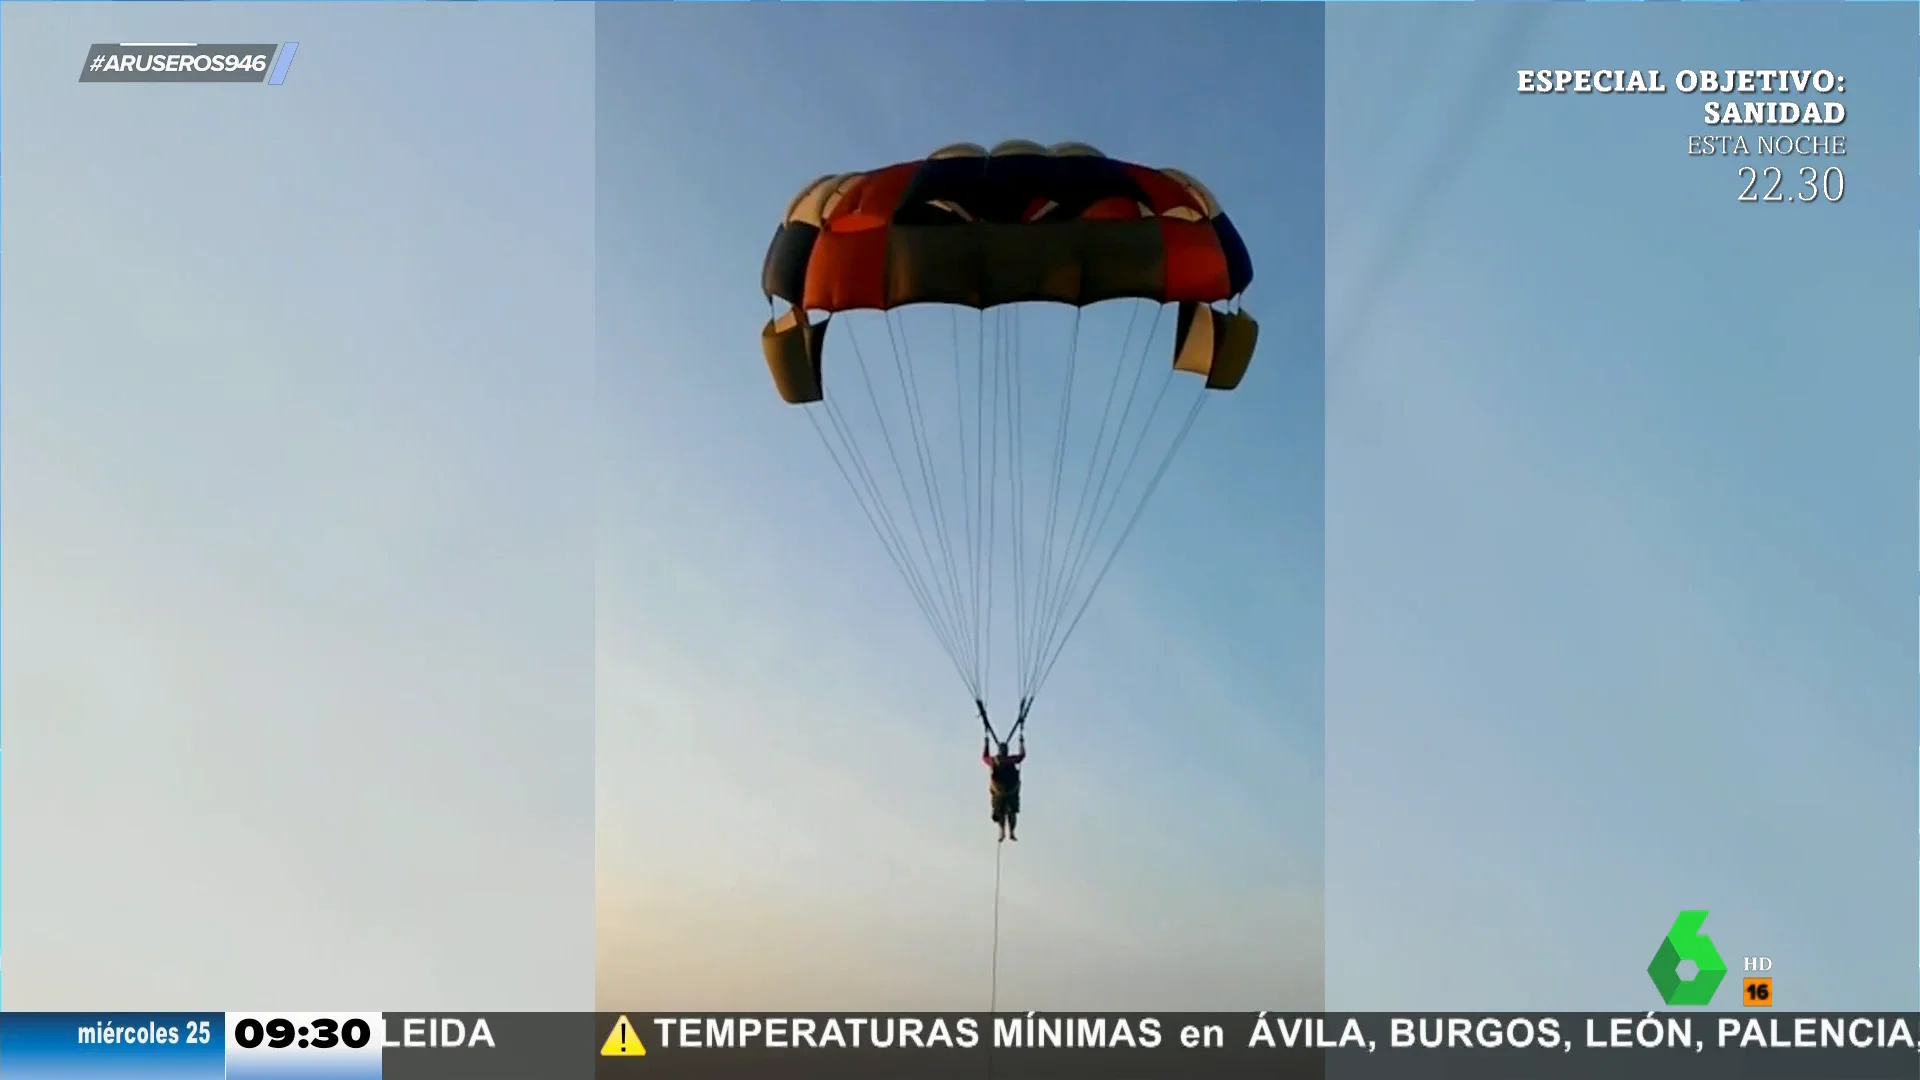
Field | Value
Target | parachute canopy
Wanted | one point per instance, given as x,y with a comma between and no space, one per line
1000,231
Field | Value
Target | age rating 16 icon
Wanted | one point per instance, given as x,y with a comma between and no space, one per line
1756,991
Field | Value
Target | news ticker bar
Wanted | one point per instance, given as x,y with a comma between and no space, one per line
952,1046
187,61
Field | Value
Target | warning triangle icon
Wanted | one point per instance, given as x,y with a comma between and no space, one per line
624,1041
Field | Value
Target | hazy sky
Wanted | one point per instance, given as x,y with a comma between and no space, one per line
298,608
371,448
790,810
1619,515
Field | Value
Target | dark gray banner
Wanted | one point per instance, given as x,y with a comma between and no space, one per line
1167,1046
491,1046
177,62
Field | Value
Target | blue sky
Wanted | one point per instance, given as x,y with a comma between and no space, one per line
790,809
1619,515
298,503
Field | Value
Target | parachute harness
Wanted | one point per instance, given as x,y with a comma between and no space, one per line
1019,723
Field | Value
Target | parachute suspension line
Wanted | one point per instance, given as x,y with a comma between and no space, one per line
1193,413
1106,503
1053,567
943,601
1054,475
934,602
1027,575
1055,595
991,440
930,489
977,503
936,502
1007,345
883,526
969,495
1091,506
1053,600
925,596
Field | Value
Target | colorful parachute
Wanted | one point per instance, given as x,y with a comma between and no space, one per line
1004,439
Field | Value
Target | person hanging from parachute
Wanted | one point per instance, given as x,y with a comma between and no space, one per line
994,235
1003,784
1003,773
